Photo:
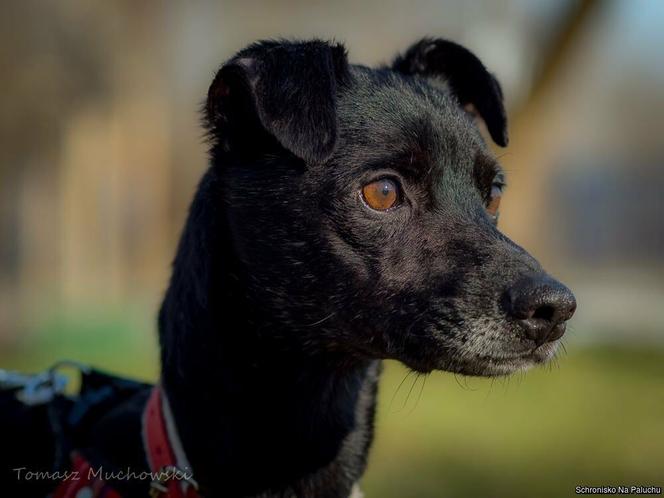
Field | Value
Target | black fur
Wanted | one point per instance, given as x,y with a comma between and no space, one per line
287,289
466,76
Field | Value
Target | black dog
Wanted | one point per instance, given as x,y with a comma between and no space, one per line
348,215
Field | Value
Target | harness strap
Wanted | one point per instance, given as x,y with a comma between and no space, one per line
169,469
80,484
161,447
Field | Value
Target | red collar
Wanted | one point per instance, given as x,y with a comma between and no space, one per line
168,464
164,451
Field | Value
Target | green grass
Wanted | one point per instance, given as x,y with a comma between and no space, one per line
121,340
596,418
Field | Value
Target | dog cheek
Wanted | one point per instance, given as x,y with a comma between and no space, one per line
348,261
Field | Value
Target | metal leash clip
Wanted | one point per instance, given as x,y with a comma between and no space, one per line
39,388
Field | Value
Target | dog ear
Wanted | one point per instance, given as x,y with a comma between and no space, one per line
466,76
287,89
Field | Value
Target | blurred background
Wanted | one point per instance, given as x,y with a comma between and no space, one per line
101,150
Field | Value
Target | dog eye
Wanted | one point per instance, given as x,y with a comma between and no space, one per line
381,195
494,200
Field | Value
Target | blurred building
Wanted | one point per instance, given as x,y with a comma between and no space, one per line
101,144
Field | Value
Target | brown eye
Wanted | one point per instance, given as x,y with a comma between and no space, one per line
381,195
494,200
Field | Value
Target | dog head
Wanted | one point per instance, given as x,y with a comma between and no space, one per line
362,205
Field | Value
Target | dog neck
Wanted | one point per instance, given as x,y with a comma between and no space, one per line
253,414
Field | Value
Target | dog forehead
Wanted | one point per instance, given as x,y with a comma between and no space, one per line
382,113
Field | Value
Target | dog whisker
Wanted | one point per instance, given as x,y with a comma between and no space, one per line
412,386
408,374
321,320
419,396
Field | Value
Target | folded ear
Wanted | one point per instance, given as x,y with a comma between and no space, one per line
287,90
466,76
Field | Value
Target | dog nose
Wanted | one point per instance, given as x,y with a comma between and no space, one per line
542,307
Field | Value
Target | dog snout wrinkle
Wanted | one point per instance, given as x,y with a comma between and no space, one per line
541,306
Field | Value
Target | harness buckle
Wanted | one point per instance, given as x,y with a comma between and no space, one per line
159,486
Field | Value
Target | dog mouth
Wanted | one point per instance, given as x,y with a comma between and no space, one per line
489,360
496,365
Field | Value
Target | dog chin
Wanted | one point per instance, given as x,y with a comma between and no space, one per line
498,365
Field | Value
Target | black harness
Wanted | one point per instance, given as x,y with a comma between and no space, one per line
43,401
